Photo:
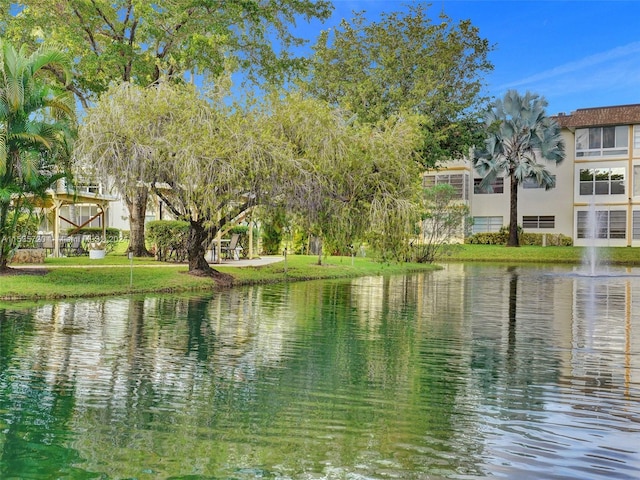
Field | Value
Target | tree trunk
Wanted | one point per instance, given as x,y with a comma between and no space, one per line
513,214
4,240
137,206
196,250
320,253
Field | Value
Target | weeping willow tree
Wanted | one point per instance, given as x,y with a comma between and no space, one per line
208,163
348,182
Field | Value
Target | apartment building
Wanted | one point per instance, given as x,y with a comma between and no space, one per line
600,177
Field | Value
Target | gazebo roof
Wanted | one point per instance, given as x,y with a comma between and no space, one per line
72,197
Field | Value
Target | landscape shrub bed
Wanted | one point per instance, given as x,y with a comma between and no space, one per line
500,238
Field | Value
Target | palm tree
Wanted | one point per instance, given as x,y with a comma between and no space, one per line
36,125
518,135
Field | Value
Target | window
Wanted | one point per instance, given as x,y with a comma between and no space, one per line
636,224
539,221
602,141
636,136
458,181
531,182
486,224
636,180
601,181
496,187
602,224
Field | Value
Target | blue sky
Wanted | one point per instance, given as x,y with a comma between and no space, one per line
575,53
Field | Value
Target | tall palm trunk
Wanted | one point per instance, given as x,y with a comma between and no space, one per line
513,214
6,233
4,237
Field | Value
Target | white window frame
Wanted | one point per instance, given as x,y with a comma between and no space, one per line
538,221
497,187
459,181
635,228
611,224
603,181
487,224
590,142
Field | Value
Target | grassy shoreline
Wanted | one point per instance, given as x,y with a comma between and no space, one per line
80,277
535,254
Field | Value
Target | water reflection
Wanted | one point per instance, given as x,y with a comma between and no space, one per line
464,373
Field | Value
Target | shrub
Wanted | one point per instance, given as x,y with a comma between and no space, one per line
487,238
27,231
500,238
112,233
273,231
552,239
169,238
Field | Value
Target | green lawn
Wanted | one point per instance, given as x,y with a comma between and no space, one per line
500,253
82,277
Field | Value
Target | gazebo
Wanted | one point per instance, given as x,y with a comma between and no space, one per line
62,196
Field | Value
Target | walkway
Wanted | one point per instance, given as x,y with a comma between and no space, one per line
255,262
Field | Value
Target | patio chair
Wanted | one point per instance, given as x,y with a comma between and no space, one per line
230,250
47,243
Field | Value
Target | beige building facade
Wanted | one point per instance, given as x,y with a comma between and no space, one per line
599,179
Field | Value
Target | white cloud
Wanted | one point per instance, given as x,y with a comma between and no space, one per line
616,63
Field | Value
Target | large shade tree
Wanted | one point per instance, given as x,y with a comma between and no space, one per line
207,162
140,42
407,62
37,121
348,181
519,137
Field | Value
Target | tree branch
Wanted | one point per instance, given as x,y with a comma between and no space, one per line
166,201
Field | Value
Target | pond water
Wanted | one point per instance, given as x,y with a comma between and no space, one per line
469,372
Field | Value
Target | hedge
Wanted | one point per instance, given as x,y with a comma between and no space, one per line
169,238
112,233
500,238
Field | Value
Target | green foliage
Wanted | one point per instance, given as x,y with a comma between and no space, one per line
300,243
273,231
112,233
443,223
347,182
27,230
549,239
112,236
169,238
531,239
487,238
77,281
141,42
145,43
406,62
37,122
